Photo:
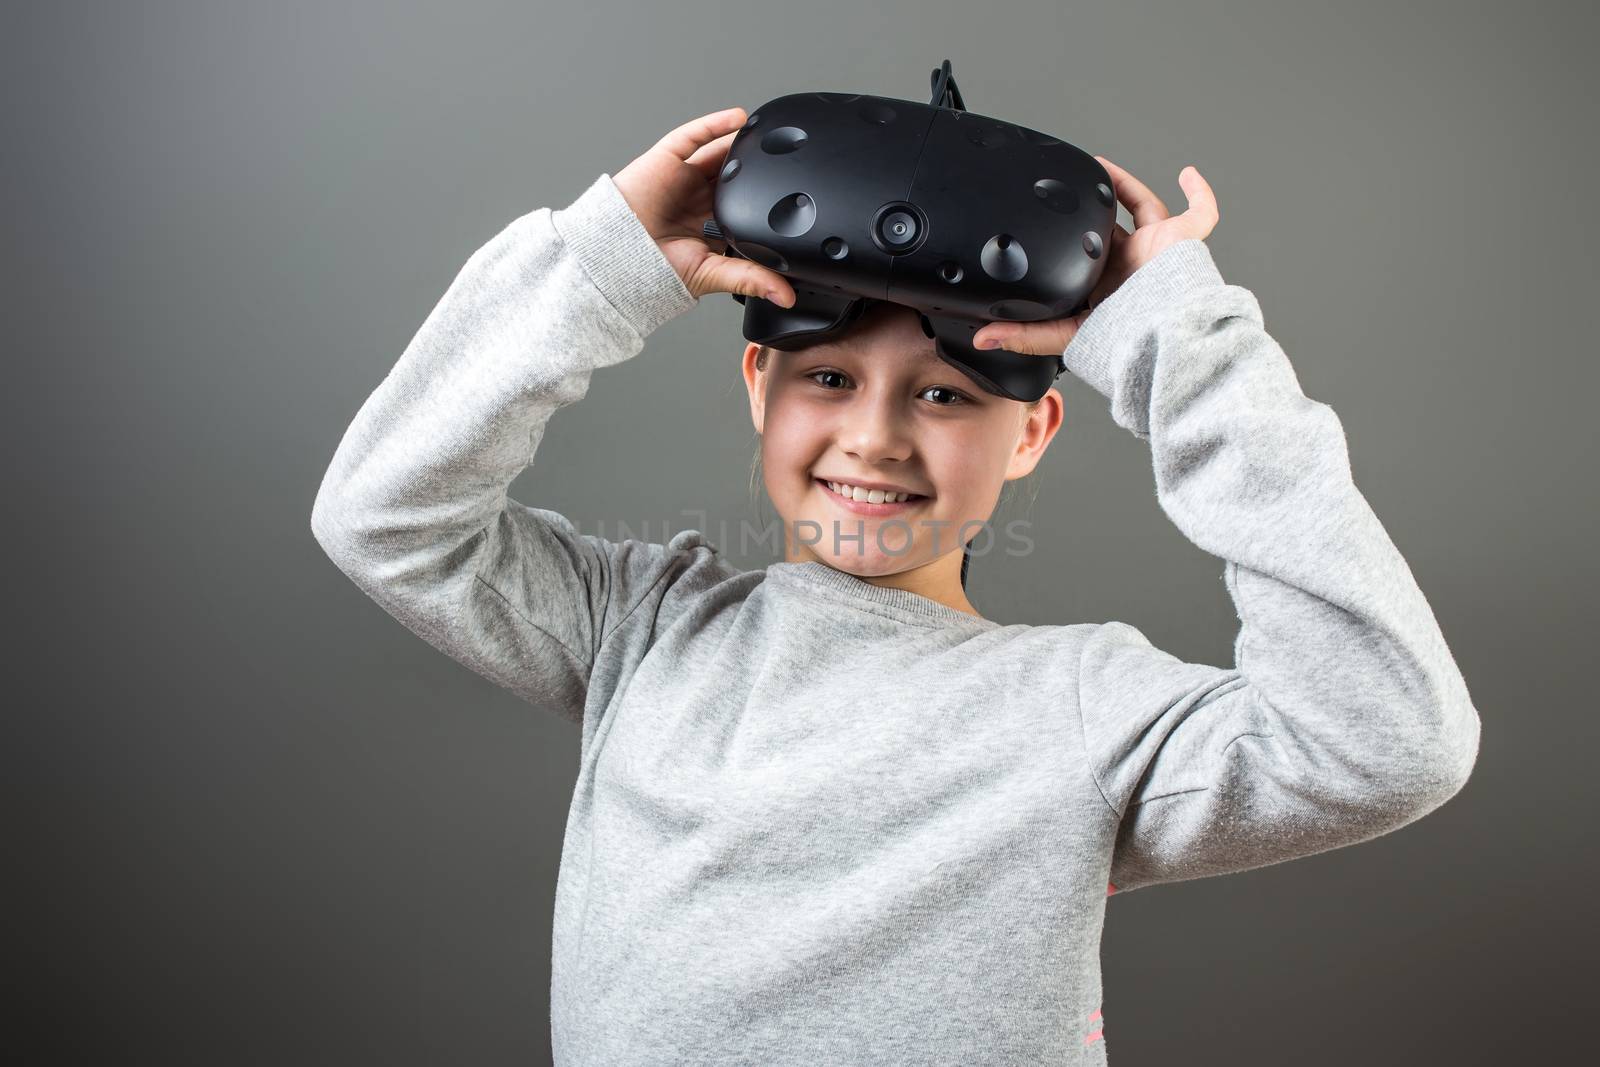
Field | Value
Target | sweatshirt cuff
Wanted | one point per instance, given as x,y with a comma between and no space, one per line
1114,326
621,257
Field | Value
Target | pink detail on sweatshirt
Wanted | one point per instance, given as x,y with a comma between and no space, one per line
1091,1038
1110,889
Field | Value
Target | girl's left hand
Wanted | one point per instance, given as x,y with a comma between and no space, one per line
1153,231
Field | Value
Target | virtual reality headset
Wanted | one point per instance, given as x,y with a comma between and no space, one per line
966,219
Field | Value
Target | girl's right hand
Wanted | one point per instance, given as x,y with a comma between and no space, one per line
671,189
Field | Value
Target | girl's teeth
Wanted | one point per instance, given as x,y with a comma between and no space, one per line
871,496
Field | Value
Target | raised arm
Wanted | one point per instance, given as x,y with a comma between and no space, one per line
1344,716
414,506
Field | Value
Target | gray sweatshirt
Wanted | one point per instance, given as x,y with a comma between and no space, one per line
817,821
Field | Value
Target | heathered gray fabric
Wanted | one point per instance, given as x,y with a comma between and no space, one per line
822,822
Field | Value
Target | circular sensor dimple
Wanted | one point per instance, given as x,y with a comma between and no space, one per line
1103,191
835,248
951,271
793,215
1091,244
1003,258
729,169
783,140
1056,195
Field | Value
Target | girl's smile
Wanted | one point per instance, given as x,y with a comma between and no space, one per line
867,507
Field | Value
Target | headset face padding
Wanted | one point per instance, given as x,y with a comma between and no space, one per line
964,218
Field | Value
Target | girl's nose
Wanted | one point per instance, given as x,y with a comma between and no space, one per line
875,430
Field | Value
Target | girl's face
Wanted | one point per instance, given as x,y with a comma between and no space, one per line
879,409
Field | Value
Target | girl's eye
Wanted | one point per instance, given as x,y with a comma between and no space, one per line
954,398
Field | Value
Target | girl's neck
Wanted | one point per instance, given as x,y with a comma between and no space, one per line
939,579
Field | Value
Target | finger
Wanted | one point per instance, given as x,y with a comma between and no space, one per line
1049,338
707,159
730,274
1203,211
1145,206
683,141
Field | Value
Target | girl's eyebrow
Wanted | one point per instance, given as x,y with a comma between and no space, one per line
927,356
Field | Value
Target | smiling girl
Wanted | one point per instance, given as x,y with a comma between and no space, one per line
826,811
882,458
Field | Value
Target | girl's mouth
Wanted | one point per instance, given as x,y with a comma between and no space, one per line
866,507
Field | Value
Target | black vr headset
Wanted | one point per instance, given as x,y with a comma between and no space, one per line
965,218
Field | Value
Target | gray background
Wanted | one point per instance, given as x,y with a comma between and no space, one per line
261,823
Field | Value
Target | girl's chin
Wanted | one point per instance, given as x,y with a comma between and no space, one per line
865,568
862,557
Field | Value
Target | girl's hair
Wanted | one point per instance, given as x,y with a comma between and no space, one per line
761,365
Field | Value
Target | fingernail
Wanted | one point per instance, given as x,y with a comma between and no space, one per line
988,342
772,295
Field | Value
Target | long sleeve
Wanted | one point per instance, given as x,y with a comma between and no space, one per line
414,506
1345,716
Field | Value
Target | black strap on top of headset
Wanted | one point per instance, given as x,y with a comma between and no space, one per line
945,93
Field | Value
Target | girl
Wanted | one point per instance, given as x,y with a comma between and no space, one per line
827,812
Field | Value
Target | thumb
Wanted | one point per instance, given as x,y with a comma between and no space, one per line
729,274
1049,338
1203,213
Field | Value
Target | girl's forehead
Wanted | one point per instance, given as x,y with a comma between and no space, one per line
912,349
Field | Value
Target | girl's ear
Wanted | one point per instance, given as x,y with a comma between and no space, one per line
1039,425
754,366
